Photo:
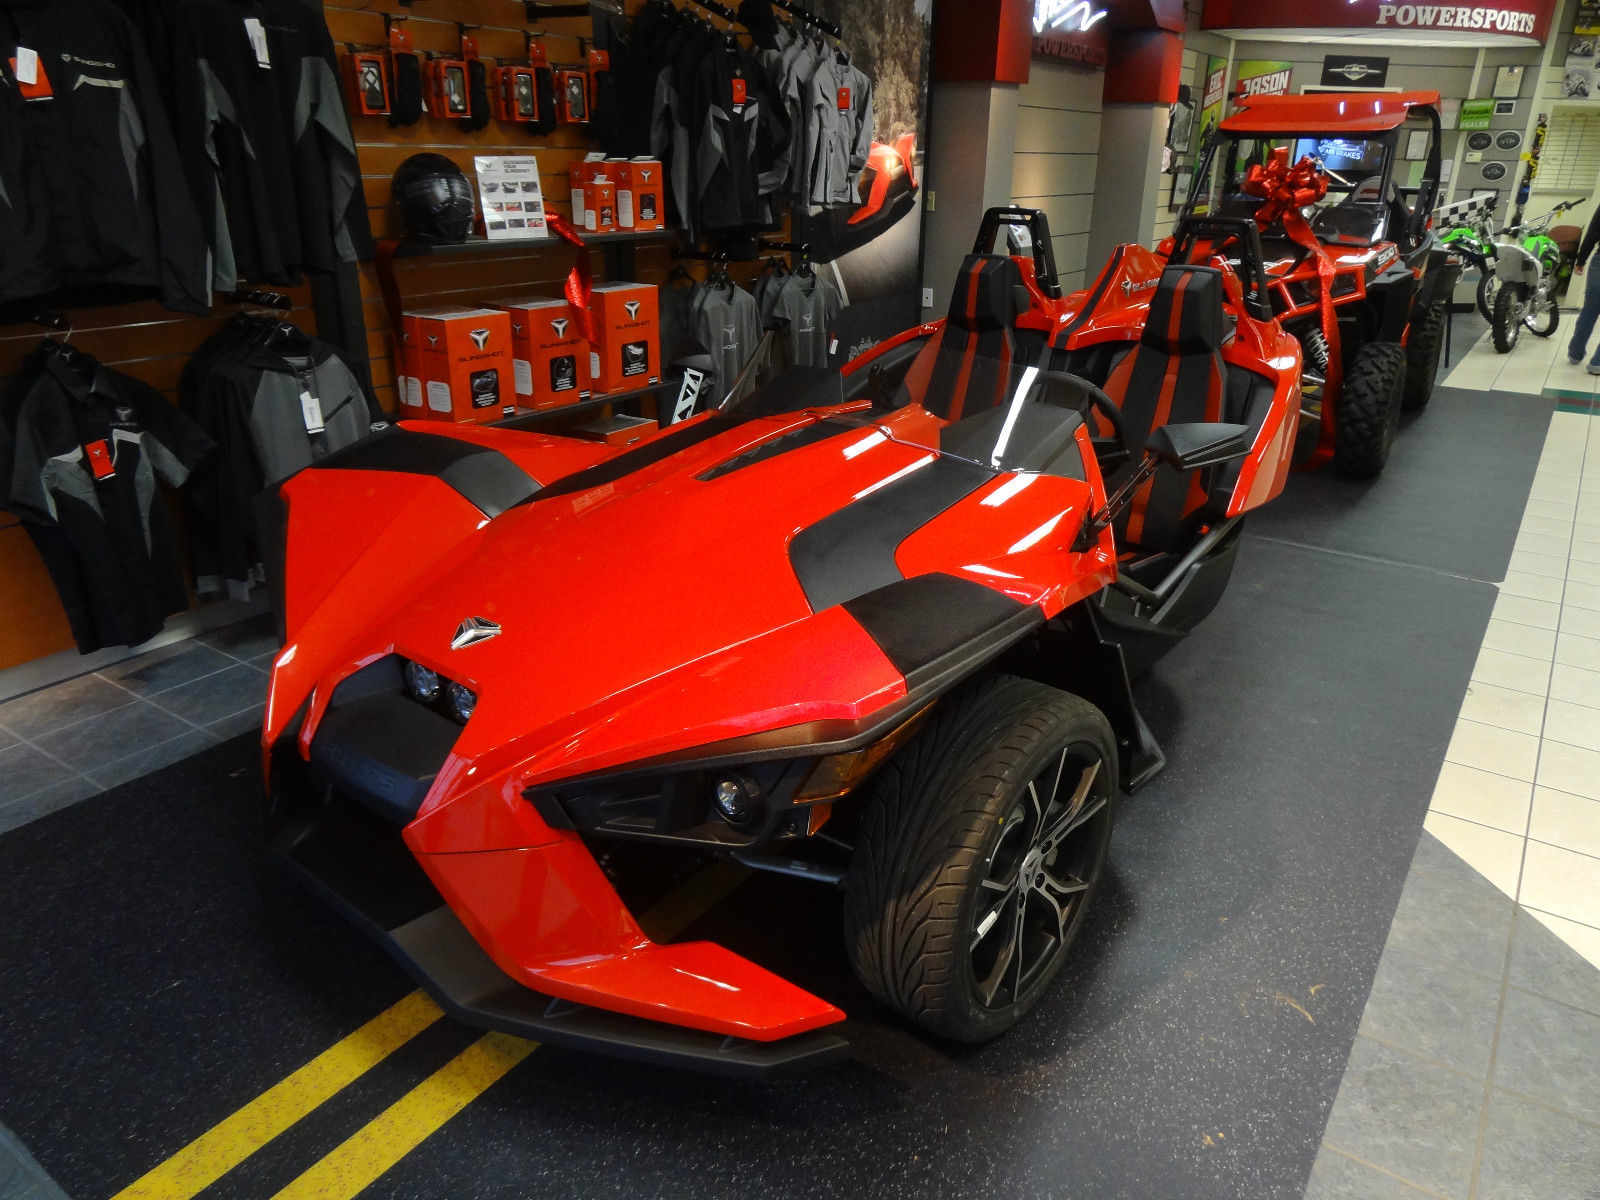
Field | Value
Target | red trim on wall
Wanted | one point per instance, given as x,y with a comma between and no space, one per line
981,41
1499,15
1144,68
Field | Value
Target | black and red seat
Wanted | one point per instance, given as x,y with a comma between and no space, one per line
981,354
1174,373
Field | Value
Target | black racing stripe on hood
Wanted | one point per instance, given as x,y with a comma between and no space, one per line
851,551
487,479
940,625
795,439
639,457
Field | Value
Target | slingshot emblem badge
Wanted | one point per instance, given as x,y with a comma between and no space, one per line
480,337
559,326
472,631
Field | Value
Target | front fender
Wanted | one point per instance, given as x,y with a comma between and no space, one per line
1515,265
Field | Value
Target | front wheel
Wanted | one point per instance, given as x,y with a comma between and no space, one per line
1488,289
980,848
1544,314
1369,409
1509,310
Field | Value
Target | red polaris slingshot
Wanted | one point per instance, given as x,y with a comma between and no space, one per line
907,600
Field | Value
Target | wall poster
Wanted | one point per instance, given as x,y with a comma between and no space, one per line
871,249
1212,96
1263,77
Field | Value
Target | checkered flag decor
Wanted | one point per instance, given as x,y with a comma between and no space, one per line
1467,211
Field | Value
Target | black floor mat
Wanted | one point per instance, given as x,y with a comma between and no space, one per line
1451,497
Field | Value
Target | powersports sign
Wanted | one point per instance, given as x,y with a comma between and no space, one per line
1520,19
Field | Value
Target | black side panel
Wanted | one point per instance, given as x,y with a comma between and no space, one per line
796,390
1042,438
798,439
629,461
1082,319
384,751
850,552
925,625
488,480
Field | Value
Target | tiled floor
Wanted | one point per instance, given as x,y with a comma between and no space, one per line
64,743
1476,1071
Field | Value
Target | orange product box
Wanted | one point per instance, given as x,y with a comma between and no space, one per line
600,203
461,361
614,431
639,203
549,357
578,176
627,328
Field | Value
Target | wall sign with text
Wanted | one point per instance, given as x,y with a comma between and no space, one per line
1523,19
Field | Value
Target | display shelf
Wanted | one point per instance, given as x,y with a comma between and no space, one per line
534,418
408,248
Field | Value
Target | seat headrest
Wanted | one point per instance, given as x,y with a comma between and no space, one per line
985,296
1186,311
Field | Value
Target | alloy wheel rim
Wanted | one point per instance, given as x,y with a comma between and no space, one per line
1038,876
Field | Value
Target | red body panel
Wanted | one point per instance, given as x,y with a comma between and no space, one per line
1348,112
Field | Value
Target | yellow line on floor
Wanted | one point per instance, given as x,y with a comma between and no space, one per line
360,1159
229,1143
396,1131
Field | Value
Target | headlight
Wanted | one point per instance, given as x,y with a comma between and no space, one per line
461,702
422,683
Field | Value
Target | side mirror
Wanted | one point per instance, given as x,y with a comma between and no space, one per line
1192,446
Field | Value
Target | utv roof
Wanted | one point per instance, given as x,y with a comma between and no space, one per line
1327,112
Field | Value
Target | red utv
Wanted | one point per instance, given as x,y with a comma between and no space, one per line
873,628
1344,214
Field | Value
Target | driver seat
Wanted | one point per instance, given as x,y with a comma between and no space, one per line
1175,373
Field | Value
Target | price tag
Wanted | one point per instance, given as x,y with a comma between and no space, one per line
740,91
833,346
100,460
27,62
258,42
844,99
311,411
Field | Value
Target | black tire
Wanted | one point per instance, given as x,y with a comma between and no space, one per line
1553,314
1369,409
1488,289
947,822
1423,349
1509,307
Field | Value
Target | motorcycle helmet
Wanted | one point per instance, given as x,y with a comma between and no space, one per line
434,198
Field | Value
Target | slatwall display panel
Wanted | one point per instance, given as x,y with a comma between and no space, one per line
1570,160
1058,137
1193,65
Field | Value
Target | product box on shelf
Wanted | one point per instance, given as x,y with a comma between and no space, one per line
460,360
600,201
627,328
639,204
578,176
549,357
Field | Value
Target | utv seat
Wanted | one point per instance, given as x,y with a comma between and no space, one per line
1175,373
981,354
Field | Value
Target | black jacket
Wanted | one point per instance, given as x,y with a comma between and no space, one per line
85,447
1590,238
95,206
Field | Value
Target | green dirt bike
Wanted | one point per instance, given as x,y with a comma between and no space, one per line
1473,243
1530,277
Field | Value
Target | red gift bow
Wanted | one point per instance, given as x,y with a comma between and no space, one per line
579,281
1284,191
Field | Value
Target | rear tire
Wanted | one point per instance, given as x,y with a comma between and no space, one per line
980,847
1488,289
1509,309
1369,409
1423,349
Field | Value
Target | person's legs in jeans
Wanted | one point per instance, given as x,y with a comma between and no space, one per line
1586,319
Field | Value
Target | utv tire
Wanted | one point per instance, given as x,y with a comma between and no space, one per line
1509,309
1488,289
1369,409
1423,349
980,847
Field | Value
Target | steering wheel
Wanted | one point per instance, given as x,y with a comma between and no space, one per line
1078,394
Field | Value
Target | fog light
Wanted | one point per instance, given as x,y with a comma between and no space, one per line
422,683
461,701
735,799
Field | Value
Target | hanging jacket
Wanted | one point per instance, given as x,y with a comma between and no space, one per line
95,207
87,447
839,121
